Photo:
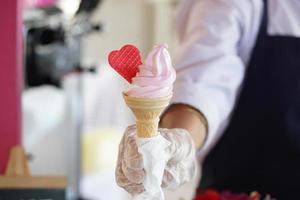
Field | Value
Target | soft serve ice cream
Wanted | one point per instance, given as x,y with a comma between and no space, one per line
156,76
150,93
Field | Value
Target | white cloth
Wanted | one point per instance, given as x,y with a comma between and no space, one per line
216,38
154,159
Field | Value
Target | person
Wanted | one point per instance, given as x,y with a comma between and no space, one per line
237,94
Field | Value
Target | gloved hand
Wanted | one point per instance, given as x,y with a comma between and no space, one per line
181,166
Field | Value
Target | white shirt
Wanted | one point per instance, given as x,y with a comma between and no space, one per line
216,38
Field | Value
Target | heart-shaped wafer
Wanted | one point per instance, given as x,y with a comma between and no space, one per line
126,61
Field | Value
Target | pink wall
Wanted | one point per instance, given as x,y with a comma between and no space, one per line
10,77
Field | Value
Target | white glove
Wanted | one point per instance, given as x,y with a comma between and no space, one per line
180,168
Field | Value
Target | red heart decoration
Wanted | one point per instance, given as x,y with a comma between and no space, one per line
126,61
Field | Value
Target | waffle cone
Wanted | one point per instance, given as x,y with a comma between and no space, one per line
147,112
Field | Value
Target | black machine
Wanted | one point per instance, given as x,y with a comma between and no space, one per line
53,43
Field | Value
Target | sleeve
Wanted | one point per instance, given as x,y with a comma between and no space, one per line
209,68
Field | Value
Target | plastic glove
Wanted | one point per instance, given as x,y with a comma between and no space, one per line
181,166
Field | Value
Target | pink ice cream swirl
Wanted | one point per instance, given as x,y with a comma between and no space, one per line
156,76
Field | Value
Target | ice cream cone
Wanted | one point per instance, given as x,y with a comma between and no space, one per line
147,112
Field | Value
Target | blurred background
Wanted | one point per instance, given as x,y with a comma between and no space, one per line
73,112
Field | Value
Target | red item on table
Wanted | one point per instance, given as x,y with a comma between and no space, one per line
209,195
228,195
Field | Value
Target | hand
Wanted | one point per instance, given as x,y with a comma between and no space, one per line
181,166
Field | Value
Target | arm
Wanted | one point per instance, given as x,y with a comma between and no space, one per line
209,71
186,117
